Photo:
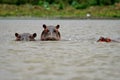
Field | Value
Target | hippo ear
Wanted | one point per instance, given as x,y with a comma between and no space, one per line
44,26
58,26
16,34
34,35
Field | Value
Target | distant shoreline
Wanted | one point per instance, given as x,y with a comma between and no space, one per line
28,11
56,18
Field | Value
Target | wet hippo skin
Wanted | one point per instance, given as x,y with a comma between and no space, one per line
102,39
50,33
25,37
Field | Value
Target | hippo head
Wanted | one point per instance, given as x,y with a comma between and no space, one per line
50,33
25,37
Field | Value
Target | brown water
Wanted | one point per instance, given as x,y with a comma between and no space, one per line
76,57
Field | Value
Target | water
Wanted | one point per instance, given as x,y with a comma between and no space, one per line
76,57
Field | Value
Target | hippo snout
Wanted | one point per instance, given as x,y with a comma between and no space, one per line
51,39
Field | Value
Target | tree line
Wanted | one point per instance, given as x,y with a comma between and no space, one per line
78,4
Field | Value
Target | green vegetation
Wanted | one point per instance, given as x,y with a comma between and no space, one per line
60,8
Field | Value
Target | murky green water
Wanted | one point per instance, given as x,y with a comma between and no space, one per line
76,57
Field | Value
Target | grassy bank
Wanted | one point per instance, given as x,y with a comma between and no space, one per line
54,11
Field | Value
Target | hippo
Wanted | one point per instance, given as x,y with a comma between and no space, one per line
102,39
25,37
50,33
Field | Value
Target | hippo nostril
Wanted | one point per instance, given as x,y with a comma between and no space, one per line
51,38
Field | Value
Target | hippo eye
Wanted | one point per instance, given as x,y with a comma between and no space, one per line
46,31
55,31
19,36
30,36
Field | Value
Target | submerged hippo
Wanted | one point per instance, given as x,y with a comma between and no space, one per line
25,37
102,39
50,33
